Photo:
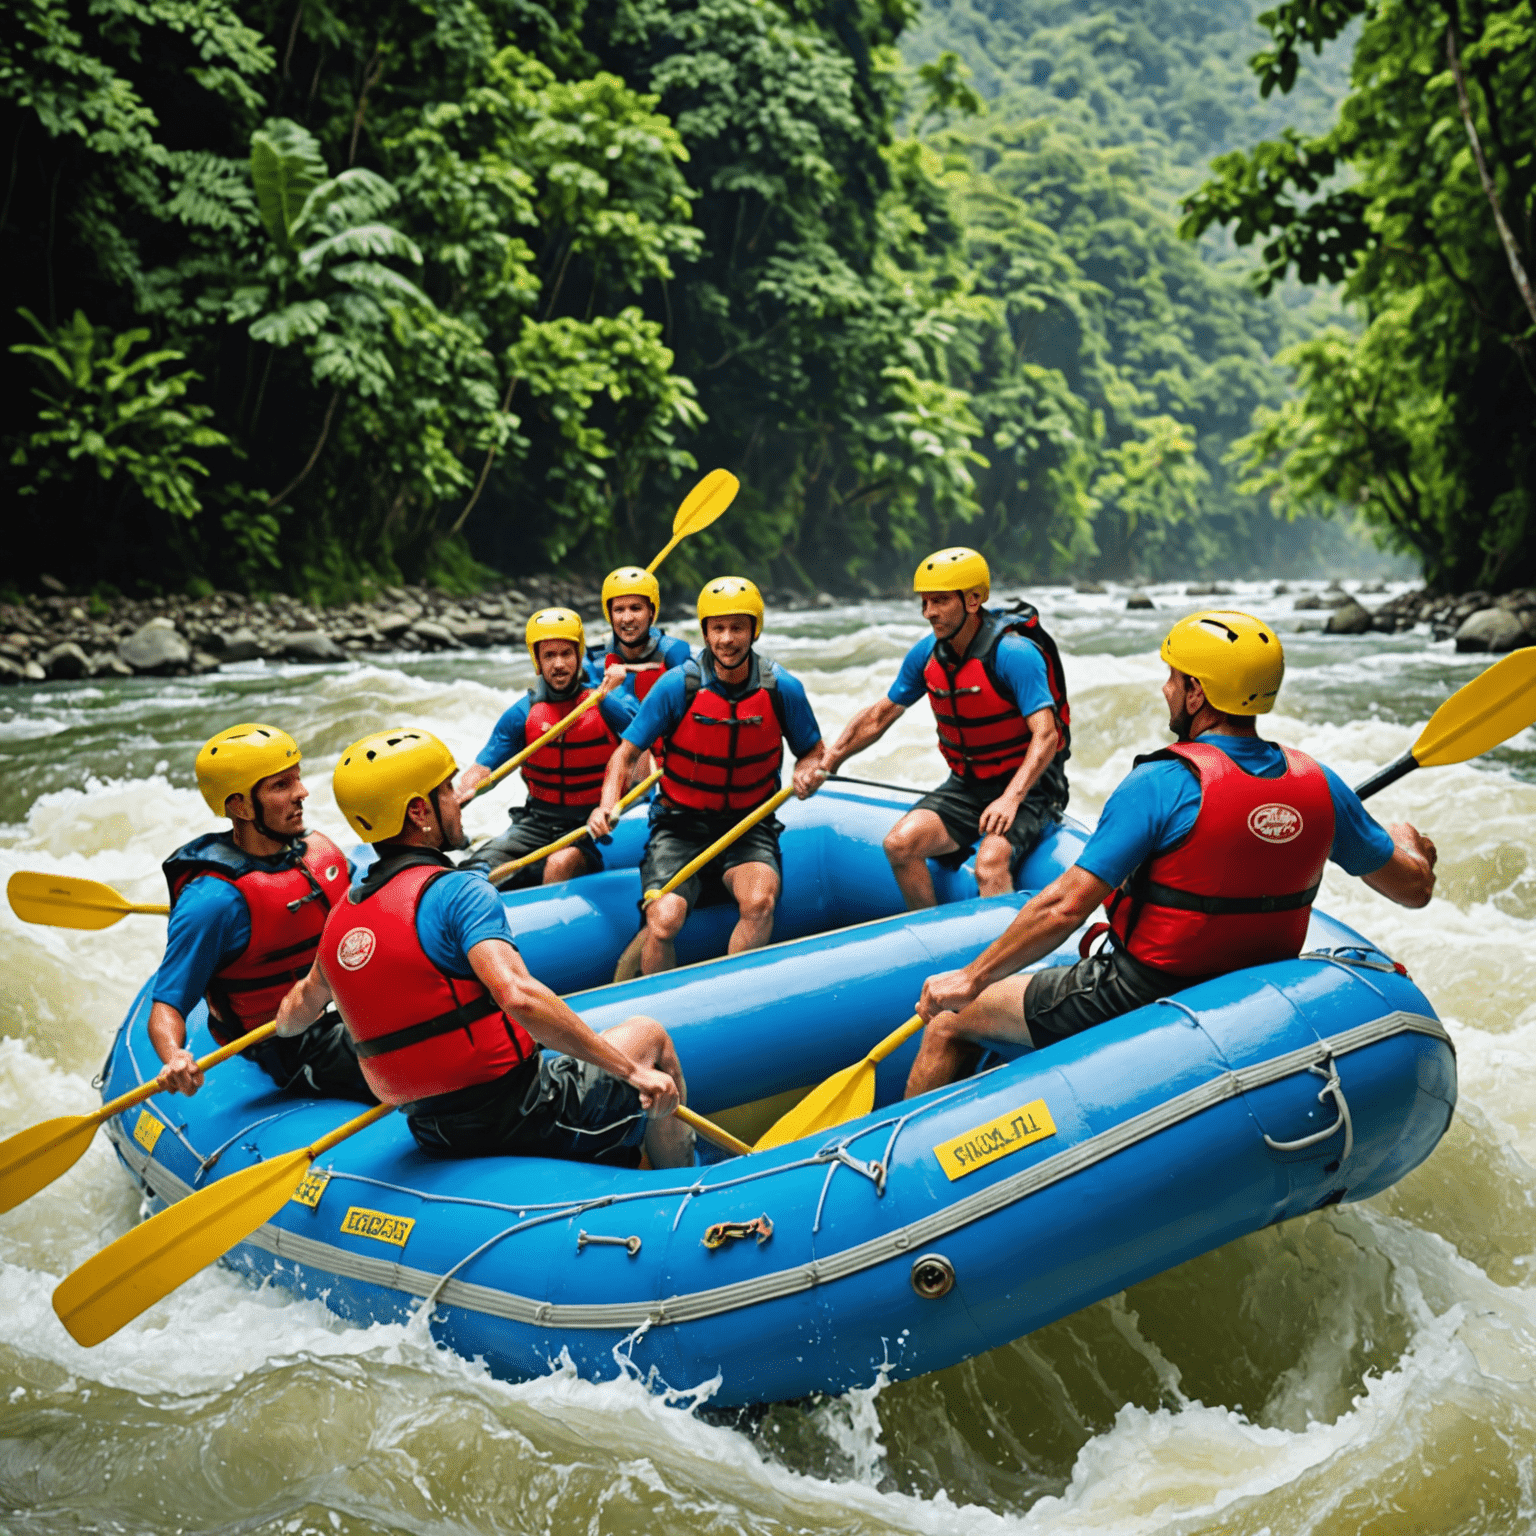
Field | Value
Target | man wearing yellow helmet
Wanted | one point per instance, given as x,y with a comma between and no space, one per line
631,600
723,721
999,700
247,908
447,1020
1208,856
564,779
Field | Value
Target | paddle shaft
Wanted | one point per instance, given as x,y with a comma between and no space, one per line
512,866
720,844
712,1132
900,789
1385,776
205,1064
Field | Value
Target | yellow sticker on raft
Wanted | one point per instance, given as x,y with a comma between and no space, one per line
309,1192
984,1144
379,1225
146,1130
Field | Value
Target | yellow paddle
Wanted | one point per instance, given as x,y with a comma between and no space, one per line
1479,716
511,867
1490,709
32,1159
844,1096
702,505
61,901
712,1132
629,962
149,1262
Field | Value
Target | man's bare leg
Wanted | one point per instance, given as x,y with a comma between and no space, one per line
920,835
565,865
664,919
994,866
668,1143
949,1042
756,890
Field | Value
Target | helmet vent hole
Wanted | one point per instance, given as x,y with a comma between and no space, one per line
371,754
363,821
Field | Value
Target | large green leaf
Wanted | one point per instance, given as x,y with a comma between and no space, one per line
286,166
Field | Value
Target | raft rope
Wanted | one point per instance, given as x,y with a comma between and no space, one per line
898,1243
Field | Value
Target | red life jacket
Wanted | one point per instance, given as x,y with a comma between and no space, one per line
569,771
724,755
982,732
419,1032
1238,891
643,681
288,907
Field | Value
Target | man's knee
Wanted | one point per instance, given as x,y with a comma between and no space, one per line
994,859
565,865
757,900
918,835
666,915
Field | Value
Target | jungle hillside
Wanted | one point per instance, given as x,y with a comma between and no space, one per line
310,297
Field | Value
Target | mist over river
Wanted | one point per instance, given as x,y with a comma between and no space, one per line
1367,1368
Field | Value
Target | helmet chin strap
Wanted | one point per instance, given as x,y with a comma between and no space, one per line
447,847
259,821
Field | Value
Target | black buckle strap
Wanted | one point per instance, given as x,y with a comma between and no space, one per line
429,1029
1222,906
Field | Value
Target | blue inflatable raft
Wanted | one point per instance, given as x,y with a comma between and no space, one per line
926,1232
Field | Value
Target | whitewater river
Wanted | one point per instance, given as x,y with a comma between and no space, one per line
1367,1368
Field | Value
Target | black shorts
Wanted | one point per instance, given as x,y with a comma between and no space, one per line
678,836
958,803
319,1064
535,826
560,1108
1067,999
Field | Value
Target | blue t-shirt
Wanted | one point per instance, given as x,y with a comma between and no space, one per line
209,927
1155,805
510,734
667,702
1019,666
671,651
455,913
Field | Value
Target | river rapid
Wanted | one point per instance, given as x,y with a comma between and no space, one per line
1366,1368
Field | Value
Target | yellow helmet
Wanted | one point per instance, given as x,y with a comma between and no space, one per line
731,594
554,624
954,570
233,762
379,776
631,581
1236,658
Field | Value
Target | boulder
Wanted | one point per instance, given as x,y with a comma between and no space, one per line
1489,629
392,625
52,584
235,644
109,664
1090,588
1200,589
307,645
1369,587
1352,619
428,636
1138,600
10,671
33,673
66,660
202,662
156,647
473,632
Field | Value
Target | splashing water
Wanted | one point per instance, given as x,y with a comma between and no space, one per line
1369,1367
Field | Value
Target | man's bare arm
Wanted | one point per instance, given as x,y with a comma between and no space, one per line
168,1035
1044,737
1048,918
621,767
866,728
306,1000
552,1023
1408,877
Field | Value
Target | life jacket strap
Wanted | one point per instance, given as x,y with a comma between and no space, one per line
1150,891
457,1018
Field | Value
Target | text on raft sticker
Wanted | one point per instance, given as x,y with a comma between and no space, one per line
1275,823
984,1144
356,948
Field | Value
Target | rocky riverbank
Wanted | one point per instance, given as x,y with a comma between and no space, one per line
61,636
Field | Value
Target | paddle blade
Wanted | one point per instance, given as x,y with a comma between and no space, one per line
61,902
1494,706
705,502
845,1096
32,1159
143,1265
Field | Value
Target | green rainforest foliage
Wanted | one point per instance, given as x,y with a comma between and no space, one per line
307,295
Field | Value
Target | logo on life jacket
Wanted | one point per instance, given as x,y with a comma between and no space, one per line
356,948
332,870
1275,823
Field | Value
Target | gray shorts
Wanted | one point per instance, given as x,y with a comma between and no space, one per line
959,802
1067,999
535,826
677,836
565,1108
